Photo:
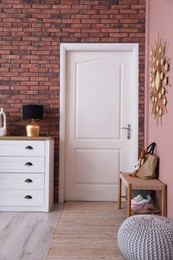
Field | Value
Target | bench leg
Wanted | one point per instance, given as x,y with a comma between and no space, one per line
119,192
164,201
129,188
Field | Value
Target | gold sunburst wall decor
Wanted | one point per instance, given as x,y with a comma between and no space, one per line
159,67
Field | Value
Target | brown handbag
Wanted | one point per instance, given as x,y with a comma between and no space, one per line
147,169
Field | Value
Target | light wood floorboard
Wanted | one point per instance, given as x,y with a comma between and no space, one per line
27,235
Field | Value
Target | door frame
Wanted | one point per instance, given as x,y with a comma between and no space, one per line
64,48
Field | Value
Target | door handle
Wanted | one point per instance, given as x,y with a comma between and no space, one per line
128,128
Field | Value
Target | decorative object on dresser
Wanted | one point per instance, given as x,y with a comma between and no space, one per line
26,173
3,122
32,112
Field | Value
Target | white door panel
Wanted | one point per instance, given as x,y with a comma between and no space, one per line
95,166
101,92
95,84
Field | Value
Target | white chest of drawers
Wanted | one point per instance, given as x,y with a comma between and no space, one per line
26,173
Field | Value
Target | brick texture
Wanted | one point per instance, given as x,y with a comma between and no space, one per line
31,32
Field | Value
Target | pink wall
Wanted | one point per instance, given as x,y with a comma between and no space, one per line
160,20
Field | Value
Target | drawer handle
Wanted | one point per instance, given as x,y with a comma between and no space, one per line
28,164
28,180
28,197
29,147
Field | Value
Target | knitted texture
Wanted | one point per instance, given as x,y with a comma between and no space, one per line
146,237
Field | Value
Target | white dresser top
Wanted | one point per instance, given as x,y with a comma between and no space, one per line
44,138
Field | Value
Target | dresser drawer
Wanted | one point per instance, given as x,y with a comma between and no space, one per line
26,173
21,181
22,197
22,148
21,164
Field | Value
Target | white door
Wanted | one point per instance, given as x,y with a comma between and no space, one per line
100,100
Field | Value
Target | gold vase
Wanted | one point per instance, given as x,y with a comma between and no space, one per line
32,129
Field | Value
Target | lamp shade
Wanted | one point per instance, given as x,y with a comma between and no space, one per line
32,112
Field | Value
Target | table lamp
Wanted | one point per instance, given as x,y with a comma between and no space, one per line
32,112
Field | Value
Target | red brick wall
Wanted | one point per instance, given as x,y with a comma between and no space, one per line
31,32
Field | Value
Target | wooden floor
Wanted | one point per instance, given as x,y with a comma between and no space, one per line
31,235
27,235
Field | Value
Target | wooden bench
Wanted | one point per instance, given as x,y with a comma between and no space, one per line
135,183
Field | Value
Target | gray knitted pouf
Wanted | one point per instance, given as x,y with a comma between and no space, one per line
146,237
